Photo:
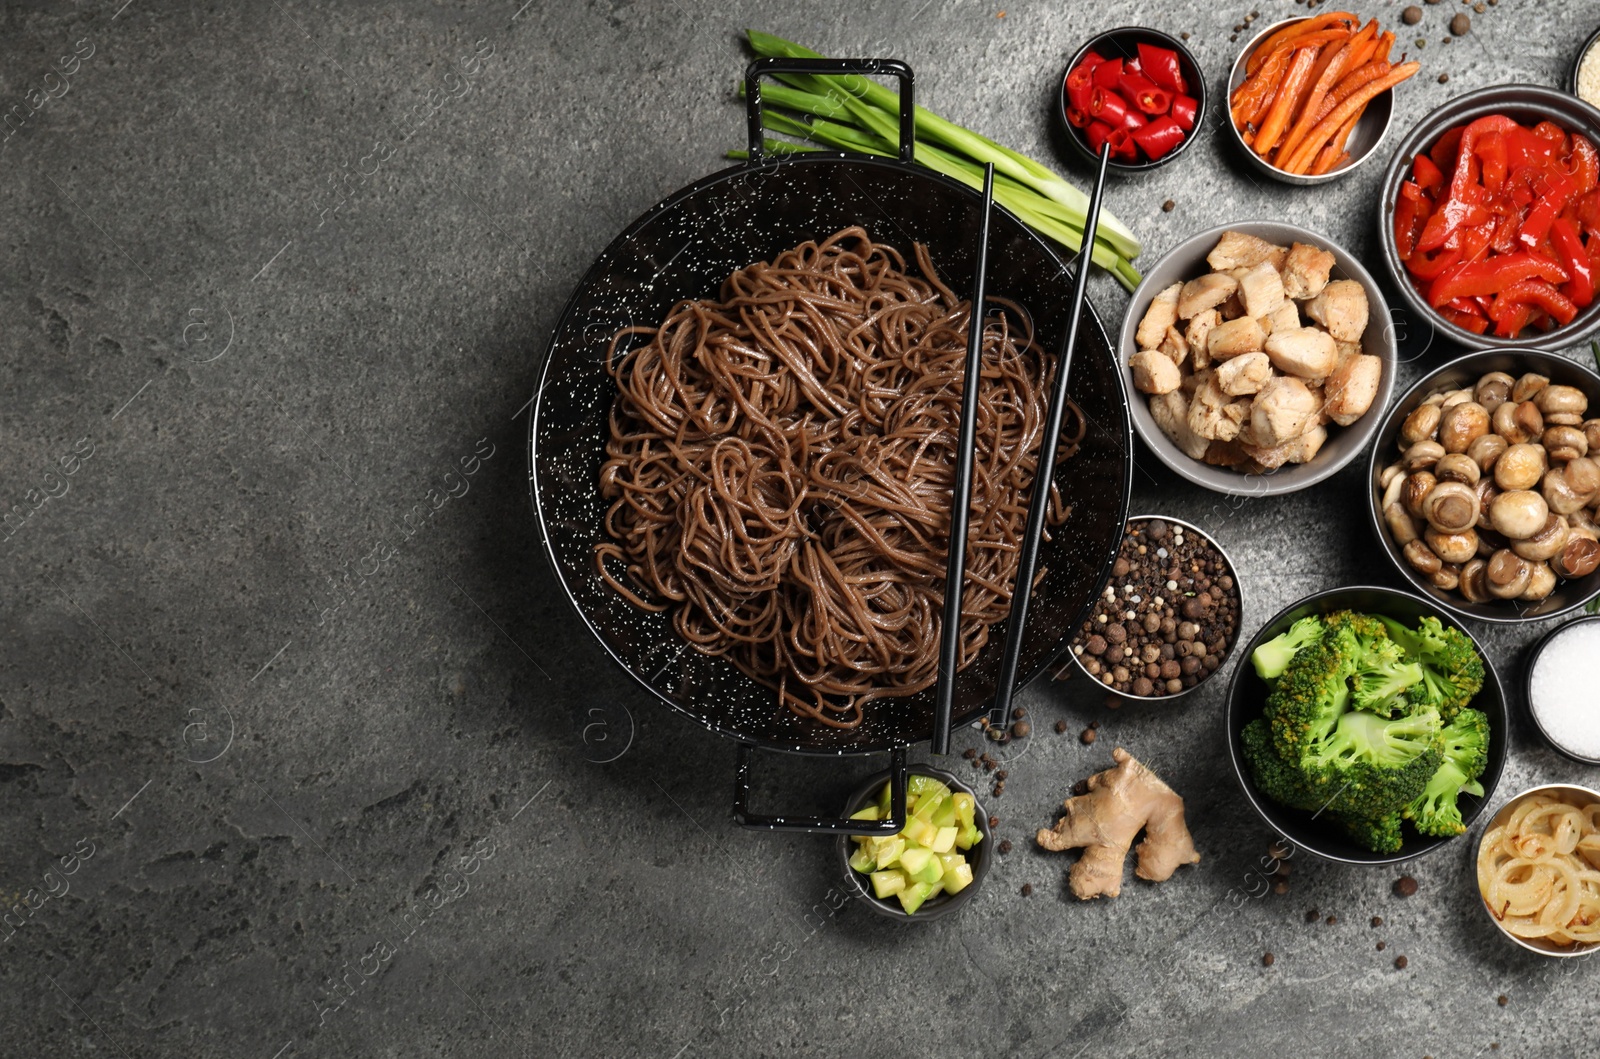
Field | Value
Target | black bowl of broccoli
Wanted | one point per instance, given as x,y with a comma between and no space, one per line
1367,725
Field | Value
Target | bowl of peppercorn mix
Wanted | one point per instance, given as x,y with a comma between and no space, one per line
1168,617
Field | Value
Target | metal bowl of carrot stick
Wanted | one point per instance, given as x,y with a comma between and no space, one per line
1309,99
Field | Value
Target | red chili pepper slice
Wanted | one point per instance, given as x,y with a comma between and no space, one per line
1091,59
1096,134
1159,137
1108,73
1080,86
1424,266
1078,119
1105,105
1123,148
1184,110
1134,120
1161,66
1554,190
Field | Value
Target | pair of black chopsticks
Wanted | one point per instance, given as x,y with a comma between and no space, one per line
1038,504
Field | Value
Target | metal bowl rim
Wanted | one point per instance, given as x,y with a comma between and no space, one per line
1506,807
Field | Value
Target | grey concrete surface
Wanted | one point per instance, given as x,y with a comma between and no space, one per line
302,752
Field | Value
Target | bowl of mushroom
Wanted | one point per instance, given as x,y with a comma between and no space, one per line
1484,492
1264,355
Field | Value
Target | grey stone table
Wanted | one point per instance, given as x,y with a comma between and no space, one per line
301,750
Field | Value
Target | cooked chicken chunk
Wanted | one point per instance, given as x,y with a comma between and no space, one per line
1154,372
1281,411
1262,290
1238,250
1352,388
1227,454
1341,307
1300,449
1244,374
1233,308
1213,414
1207,292
1196,334
1285,317
1233,337
1171,413
1174,346
1305,271
1162,314
1308,352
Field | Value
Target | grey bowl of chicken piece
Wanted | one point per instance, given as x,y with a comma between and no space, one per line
1187,261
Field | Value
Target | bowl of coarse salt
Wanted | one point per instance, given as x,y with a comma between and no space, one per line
1560,689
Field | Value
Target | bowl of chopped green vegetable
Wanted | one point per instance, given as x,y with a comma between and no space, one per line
935,864
1369,726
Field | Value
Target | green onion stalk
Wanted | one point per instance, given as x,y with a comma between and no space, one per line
854,113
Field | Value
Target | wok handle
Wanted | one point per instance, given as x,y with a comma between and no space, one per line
822,825
831,67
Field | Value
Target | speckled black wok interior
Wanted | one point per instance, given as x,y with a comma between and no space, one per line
684,248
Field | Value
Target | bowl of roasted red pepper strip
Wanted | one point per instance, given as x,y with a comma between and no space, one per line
1491,219
1137,89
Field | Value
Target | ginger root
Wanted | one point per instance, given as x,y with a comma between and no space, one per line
1121,802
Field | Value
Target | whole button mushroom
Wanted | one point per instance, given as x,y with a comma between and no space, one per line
1518,513
1547,543
1493,390
1451,507
1461,424
1475,582
1520,468
1508,574
1518,422
1457,467
1416,489
1486,491
1540,584
1455,397
1447,578
1402,526
1486,450
1562,405
1422,558
1423,455
1571,487
1580,558
1528,387
1421,424
1591,431
1563,443
1490,542
1452,547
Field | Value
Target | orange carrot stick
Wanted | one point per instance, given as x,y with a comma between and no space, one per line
1294,83
1329,157
1385,42
1324,76
1351,83
1327,161
1265,49
1352,105
1251,99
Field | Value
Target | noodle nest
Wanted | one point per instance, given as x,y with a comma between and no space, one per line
780,467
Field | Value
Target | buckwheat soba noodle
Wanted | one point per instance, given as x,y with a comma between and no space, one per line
781,462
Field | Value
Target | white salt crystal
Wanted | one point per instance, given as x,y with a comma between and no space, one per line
1561,693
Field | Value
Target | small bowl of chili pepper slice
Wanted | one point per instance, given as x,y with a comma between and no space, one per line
1491,218
1138,89
1309,99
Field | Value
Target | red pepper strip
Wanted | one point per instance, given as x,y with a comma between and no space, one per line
1134,120
1105,105
1424,267
1524,148
1489,277
1476,306
1549,130
1575,259
1555,190
1475,239
1504,240
1161,66
1462,178
1108,73
1183,111
1473,322
1097,133
1080,86
1511,319
1586,210
1411,212
1447,220
1443,153
1159,137
1491,152
1535,293
1427,175
1585,168
1122,146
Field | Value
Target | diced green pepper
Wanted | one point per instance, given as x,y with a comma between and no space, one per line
885,884
886,851
914,894
957,878
968,837
920,831
862,860
944,840
869,813
965,808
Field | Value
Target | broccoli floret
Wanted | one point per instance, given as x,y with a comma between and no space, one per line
1274,777
1273,657
1382,673
1370,766
1452,672
1311,694
1466,754
1381,834
1363,625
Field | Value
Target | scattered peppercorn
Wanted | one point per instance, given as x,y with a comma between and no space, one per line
1400,963
1005,845
1168,206
1382,945
1405,886
1283,869
1444,79
1312,915
1331,920
994,821
969,753
1280,887
1502,1000
1021,730
1411,15
1184,34
1377,921
1268,960
1027,889
1421,42
1088,736
1480,7
1461,24
1019,713
1061,727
